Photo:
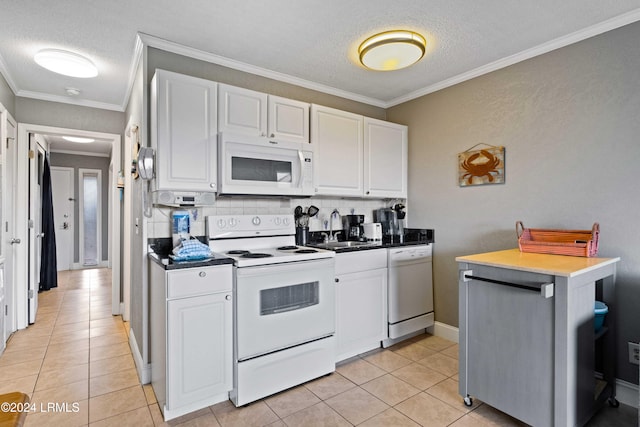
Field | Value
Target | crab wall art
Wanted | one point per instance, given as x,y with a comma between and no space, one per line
485,166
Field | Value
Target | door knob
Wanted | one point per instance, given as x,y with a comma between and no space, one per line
14,241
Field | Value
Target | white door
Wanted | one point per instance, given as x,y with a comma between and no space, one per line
63,206
36,165
9,237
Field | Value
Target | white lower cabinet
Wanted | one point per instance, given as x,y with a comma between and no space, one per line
361,301
191,337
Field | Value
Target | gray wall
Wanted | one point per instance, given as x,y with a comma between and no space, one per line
56,114
135,114
193,67
7,98
87,162
569,121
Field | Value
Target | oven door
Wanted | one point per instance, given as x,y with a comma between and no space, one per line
250,165
283,305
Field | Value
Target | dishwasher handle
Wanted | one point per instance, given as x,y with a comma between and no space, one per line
545,289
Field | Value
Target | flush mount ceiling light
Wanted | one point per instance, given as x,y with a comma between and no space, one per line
65,62
392,50
78,139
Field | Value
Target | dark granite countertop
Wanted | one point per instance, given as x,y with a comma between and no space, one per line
411,237
161,248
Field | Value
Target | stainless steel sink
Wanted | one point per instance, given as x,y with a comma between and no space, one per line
345,244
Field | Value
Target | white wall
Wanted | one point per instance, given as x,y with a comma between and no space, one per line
570,123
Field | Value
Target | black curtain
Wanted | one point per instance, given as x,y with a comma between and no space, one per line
48,261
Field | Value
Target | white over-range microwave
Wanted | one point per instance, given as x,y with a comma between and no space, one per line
262,166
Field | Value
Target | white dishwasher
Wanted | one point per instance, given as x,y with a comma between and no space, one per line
410,297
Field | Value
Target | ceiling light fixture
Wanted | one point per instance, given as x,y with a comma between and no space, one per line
78,139
65,62
392,50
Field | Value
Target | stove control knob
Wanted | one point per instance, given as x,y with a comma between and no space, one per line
233,222
286,221
222,223
256,220
277,220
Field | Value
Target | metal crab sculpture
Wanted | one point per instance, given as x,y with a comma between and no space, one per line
479,170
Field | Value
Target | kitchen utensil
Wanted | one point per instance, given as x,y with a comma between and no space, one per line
297,213
313,211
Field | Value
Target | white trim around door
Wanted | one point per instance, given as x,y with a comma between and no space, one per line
25,232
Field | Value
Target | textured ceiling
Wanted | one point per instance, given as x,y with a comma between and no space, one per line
310,43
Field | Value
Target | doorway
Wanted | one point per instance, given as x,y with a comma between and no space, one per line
25,260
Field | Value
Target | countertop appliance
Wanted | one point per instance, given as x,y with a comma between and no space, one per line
410,297
263,166
388,218
353,227
372,231
284,328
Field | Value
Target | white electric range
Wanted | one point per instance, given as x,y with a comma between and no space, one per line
284,305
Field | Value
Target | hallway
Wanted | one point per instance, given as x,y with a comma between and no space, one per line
77,353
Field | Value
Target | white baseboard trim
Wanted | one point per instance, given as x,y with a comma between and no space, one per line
78,266
627,393
144,369
443,330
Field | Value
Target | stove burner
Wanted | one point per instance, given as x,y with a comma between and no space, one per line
238,252
256,255
306,251
287,248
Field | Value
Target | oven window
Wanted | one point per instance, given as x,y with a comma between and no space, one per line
243,168
288,298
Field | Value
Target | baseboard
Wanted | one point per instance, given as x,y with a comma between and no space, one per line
144,369
443,330
627,393
78,266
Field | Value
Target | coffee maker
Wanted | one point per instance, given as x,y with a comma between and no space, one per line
353,227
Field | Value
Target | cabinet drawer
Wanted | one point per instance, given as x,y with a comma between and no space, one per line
198,281
352,262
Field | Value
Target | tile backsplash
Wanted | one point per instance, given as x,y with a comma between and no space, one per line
159,225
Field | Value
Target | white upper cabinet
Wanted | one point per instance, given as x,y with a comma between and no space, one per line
336,137
184,132
385,159
244,111
288,119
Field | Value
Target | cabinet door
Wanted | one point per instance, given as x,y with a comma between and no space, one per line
361,312
288,119
336,138
199,348
184,132
385,159
242,111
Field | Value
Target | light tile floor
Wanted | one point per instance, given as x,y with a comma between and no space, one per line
76,365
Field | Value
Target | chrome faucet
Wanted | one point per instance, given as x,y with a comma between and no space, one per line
333,237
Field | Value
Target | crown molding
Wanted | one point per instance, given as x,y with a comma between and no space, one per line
577,36
66,100
179,49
